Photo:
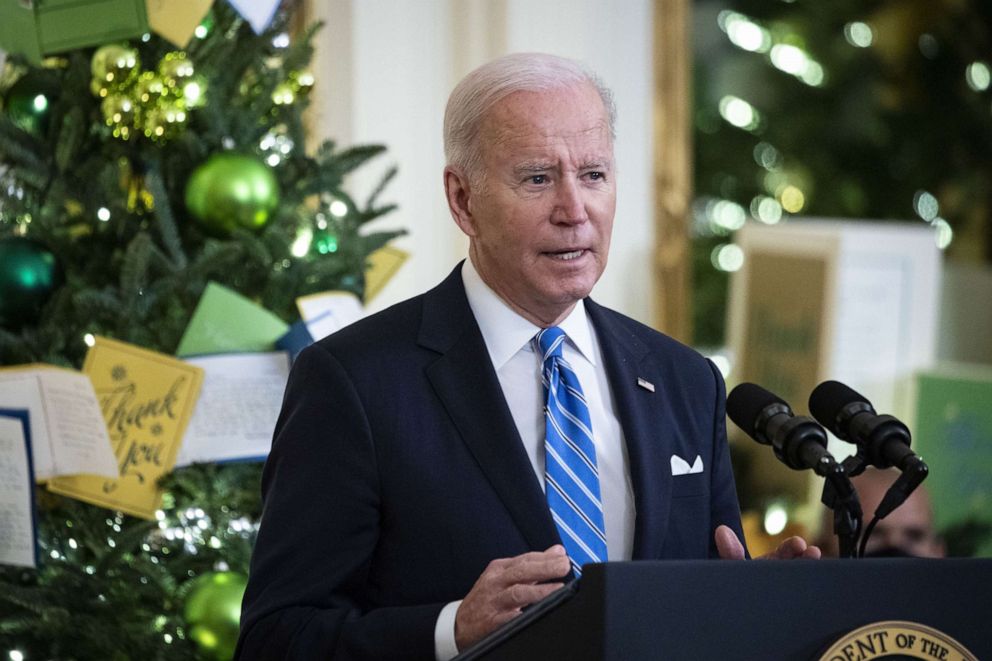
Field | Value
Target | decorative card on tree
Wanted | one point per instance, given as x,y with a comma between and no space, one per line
68,434
37,28
18,530
147,399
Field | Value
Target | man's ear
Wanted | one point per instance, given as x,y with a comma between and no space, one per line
458,191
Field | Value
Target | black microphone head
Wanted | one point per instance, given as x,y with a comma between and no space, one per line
745,404
828,400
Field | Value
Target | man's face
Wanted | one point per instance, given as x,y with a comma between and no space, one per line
541,214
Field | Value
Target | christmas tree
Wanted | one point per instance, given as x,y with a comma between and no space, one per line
846,109
132,175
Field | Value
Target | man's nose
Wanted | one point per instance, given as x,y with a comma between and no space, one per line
569,205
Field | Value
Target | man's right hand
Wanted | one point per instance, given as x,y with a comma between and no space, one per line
504,588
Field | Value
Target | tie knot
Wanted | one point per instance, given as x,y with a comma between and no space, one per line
550,341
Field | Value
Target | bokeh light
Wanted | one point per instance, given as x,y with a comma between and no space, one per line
739,113
792,199
727,257
978,76
944,233
926,205
859,34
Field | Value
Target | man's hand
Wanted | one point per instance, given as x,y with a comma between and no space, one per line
730,548
504,588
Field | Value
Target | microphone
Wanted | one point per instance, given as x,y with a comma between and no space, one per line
883,439
851,417
798,441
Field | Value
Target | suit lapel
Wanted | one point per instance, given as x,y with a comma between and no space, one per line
648,444
467,385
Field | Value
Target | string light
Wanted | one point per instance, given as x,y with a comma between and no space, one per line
792,199
859,34
767,156
726,215
766,209
744,33
740,113
926,205
944,234
794,60
301,246
978,76
727,257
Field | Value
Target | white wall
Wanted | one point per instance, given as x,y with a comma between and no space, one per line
384,70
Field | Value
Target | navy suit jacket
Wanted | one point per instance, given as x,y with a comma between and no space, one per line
397,474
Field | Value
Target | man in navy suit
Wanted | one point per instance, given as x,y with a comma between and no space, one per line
405,513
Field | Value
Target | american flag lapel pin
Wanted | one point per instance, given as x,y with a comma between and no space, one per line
644,383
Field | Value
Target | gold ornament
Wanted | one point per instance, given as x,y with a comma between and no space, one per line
153,103
99,88
175,67
149,89
118,112
115,66
164,122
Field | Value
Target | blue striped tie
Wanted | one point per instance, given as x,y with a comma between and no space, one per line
570,472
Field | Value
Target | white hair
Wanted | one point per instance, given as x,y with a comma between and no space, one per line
487,85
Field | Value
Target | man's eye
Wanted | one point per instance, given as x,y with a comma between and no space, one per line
538,179
595,176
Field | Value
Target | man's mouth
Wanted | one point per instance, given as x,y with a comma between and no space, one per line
566,255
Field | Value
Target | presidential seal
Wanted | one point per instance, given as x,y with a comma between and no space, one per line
894,640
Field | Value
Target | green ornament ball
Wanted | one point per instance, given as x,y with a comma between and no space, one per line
28,103
213,612
230,191
29,274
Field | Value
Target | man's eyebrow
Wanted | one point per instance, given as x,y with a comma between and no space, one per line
596,164
533,166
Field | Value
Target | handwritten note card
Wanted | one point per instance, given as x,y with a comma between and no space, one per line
238,406
69,436
18,544
147,399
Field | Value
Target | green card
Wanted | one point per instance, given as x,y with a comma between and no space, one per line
226,322
953,434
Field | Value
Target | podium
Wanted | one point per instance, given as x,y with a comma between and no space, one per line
761,609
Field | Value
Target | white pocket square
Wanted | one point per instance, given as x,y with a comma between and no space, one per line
681,467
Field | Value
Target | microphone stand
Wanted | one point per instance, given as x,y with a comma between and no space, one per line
839,495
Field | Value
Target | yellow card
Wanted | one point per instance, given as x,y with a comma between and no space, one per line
382,266
147,399
176,21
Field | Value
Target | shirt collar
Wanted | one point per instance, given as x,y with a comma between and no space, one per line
506,332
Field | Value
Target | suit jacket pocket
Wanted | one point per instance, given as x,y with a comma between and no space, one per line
691,484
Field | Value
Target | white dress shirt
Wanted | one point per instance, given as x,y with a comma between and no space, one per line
510,341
